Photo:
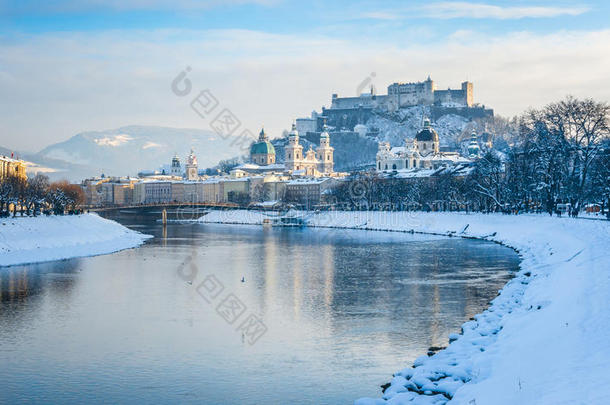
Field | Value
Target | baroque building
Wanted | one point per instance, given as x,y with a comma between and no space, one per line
422,152
310,163
10,167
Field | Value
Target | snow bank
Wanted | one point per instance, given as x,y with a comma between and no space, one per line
543,340
30,240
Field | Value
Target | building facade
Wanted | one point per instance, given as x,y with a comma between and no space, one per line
10,167
307,192
422,152
310,163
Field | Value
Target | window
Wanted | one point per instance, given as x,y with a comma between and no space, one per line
386,167
289,156
424,146
393,167
379,165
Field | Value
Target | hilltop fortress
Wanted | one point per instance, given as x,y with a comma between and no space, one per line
345,113
402,95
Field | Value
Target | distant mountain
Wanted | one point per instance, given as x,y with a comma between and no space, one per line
128,150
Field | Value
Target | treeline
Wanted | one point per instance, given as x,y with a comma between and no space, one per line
38,195
558,161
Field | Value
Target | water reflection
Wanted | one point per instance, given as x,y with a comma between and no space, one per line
344,309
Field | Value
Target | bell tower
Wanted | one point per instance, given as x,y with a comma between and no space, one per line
191,167
325,152
294,151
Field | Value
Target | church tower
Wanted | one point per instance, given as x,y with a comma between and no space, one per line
191,167
325,152
176,168
294,151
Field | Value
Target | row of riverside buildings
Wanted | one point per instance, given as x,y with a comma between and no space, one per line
243,190
304,179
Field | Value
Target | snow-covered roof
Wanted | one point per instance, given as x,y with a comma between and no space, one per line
252,166
460,169
11,160
318,180
245,166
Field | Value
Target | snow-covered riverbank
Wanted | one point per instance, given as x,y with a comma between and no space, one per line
39,239
543,340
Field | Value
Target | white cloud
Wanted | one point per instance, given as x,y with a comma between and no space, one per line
58,85
446,10
460,9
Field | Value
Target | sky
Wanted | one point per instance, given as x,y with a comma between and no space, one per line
68,66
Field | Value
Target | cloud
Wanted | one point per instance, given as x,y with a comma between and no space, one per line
447,10
451,10
60,84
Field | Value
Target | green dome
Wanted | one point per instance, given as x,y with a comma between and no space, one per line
264,147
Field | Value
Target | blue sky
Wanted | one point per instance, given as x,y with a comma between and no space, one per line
71,66
343,17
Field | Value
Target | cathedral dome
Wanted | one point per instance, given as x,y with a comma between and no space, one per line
427,134
264,147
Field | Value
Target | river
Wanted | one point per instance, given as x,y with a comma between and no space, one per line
336,313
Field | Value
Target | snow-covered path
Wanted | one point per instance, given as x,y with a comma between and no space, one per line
30,240
544,340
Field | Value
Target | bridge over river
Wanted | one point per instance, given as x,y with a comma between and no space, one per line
173,210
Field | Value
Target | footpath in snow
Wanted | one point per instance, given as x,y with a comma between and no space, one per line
39,239
544,340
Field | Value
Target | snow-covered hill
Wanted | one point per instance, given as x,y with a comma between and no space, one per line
406,122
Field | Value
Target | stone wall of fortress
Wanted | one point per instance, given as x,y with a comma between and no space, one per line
408,95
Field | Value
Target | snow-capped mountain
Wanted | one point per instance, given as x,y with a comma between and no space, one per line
127,150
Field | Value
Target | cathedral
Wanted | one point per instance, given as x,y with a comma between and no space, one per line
422,152
314,163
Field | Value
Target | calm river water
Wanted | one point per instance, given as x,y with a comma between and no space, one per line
343,310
